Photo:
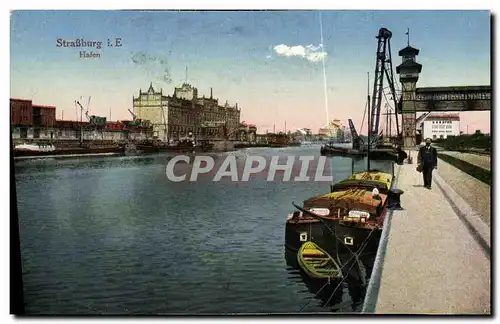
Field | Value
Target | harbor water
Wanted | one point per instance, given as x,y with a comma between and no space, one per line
113,235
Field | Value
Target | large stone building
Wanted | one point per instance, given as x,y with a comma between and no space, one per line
186,115
153,106
334,130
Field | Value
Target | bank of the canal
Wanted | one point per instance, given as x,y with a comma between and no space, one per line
114,235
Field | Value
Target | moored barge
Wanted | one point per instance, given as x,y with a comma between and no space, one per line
347,219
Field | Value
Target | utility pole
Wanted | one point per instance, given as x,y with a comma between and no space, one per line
369,125
390,122
387,120
81,126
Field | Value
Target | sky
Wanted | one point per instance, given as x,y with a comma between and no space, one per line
270,63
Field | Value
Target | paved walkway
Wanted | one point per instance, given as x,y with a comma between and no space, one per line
482,161
432,265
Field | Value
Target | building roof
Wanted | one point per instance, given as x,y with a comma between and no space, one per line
17,99
151,89
454,89
408,51
442,116
43,106
409,65
65,121
244,123
421,119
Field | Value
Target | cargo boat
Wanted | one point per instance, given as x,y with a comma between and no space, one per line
349,217
67,151
378,153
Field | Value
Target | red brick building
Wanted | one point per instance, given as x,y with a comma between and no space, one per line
21,112
44,116
31,121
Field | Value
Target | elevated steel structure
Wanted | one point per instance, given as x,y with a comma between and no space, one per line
383,67
464,98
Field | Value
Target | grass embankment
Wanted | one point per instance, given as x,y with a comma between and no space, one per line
479,173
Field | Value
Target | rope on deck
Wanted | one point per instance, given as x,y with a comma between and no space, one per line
344,277
358,252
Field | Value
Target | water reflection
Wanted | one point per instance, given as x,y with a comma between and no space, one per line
333,295
114,235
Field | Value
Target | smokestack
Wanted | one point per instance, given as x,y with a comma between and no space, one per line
211,94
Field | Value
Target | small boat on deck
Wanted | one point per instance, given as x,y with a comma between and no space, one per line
317,263
352,213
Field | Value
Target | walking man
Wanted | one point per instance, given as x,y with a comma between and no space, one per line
427,161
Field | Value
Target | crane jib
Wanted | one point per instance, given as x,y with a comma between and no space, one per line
383,67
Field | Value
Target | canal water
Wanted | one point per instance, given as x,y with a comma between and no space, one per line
114,235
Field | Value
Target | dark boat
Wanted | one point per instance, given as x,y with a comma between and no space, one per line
352,214
382,153
340,151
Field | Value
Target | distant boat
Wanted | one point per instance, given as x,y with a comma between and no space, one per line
35,147
317,263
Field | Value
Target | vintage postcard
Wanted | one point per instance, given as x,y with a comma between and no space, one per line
174,162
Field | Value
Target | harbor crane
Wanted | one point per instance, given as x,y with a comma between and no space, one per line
134,117
77,102
356,140
383,67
